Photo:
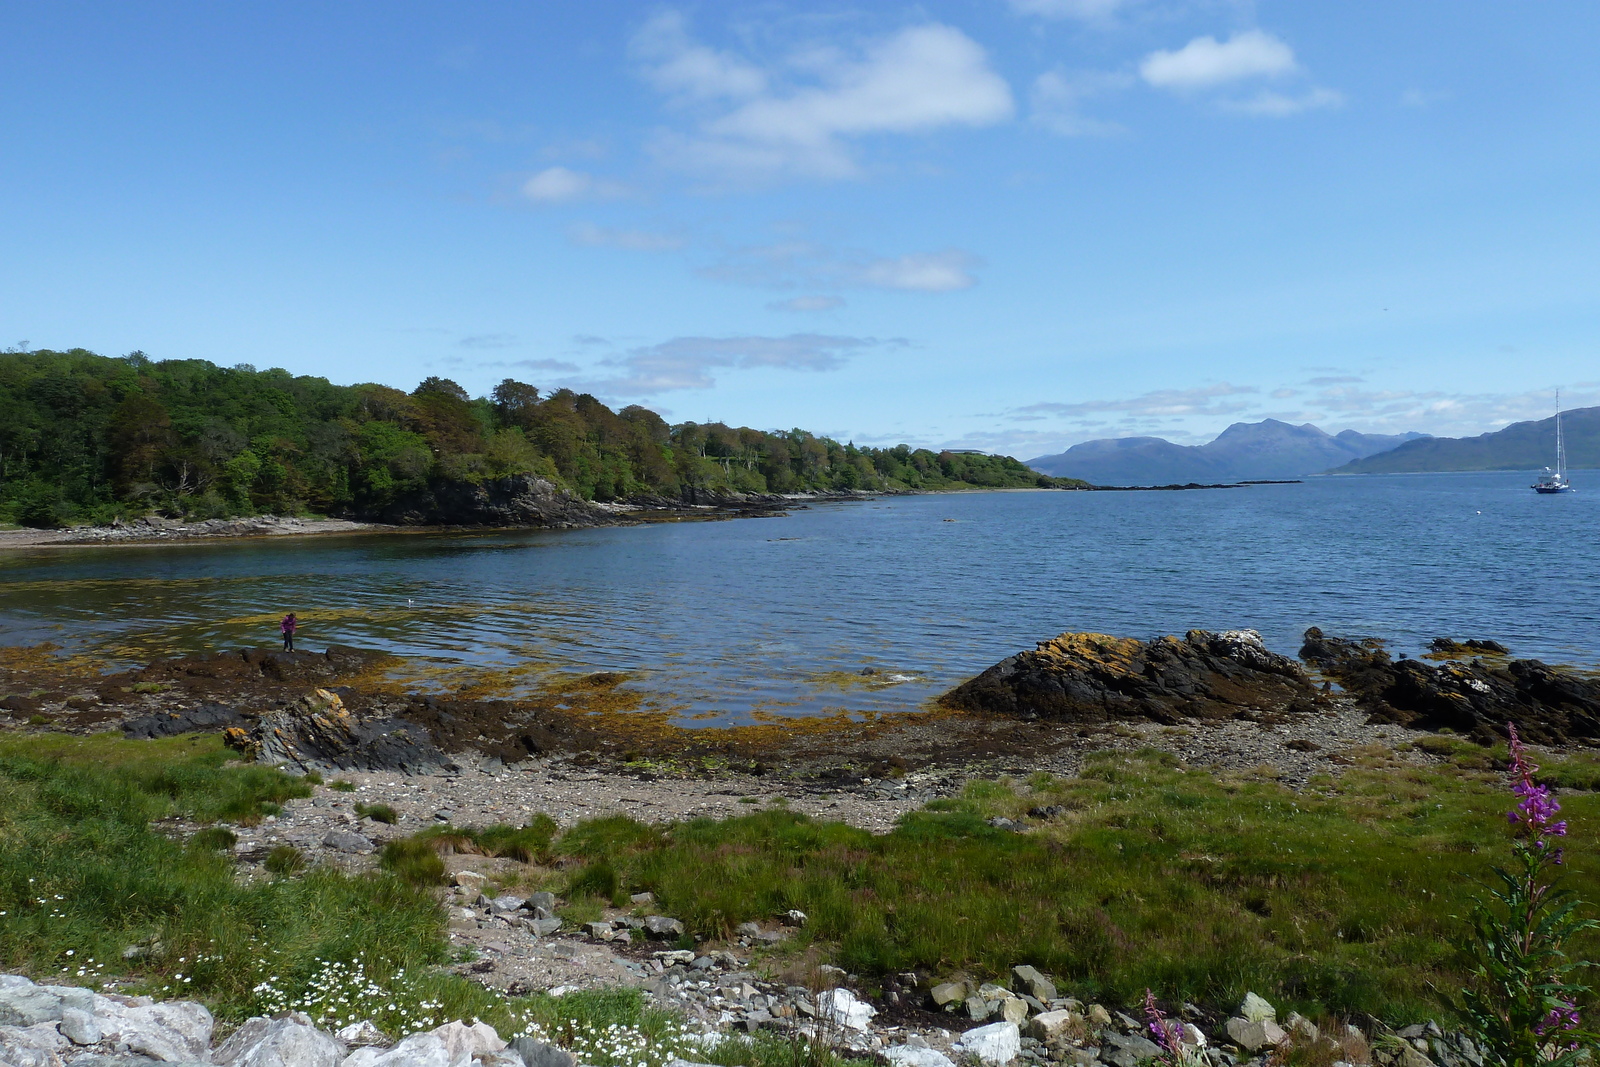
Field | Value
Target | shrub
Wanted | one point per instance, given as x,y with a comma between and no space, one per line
285,859
342,786
378,813
596,879
414,861
214,838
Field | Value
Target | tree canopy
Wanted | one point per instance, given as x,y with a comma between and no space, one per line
89,438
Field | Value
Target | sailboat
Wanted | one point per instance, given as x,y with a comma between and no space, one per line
1555,481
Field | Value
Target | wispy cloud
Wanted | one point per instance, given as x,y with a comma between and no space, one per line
1206,62
1204,400
801,264
1422,98
798,118
807,303
1057,100
1279,105
488,340
689,362
1083,10
587,233
560,185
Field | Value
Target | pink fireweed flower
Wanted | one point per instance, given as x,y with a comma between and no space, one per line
1168,1035
1536,807
1563,1018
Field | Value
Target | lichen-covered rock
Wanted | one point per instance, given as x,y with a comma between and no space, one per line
1476,697
1084,677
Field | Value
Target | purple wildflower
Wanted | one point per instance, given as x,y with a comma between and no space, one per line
1563,1018
1168,1035
1536,806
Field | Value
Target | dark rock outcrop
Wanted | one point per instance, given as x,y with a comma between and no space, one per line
204,718
516,500
319,733
262,663
1477,697
1080,677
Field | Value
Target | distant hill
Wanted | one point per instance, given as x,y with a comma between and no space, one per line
1244,451
1520,446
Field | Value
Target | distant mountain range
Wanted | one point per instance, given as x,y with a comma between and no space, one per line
1520,446
1245,451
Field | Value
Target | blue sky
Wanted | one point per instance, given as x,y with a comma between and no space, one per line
1004,224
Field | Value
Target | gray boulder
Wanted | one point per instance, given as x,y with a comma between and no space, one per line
1255,1036
31,1046
1125,1050
506,905
995,1045
544,900
346,841
1036,985
418,1050
79,1026
176,1031
661,927
292,1041
24,1004
1255,1009
540,1054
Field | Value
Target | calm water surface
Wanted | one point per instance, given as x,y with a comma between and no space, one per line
721,620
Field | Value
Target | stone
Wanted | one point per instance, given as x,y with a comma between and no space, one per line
418,1050
1054,1025
909,1055
794,917
747,930
540,1054
599,931
1014,1010
28,1005
1253,1036
175,1031
37,1045
846,1009
1190,1034
471,881
463,1042
363,1034
542,899
1255,1009
996,1044
346,841
1030,981
661,927
291,1041
978,1009
506,905
947,993
79,1026
544,927
1126,1050
1097,1016
1301,1028
503,1058
641,899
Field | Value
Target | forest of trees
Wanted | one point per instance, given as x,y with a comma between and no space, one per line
88,438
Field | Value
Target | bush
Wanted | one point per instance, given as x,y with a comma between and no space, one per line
597,879
414,861
285,859
378,813
343,786
214,838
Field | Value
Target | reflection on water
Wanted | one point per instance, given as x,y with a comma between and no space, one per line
780,616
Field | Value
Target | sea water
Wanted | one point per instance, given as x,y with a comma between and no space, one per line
721,621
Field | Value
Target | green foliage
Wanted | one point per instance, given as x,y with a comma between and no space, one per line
217,838
89,438
84,874
342,786
414,861
1333,898
378,813
285,859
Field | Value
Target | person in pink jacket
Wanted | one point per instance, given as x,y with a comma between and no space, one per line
287,626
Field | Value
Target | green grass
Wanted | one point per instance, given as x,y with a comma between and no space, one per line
525,844
1339,898
378,813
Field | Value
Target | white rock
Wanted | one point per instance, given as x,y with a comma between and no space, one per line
292,1041
914,1056
463,1042
24,1004
79,1026
1049,1025
31,1046
996,1044
418,1050
1253,1036
846,1009
175,1031
1254,1009
1193,1035
363,1034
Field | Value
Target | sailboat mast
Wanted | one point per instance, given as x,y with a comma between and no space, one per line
1561,452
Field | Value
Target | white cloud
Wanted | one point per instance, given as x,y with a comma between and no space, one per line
1205,62
679,67
1421,98
587,233
1056,99
557,185
922,272
1157,404
800,264
807,303
489,340
920,79
1086,10
688,362
1280,105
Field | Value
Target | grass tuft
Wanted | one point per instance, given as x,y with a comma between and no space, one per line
378,813
414,861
